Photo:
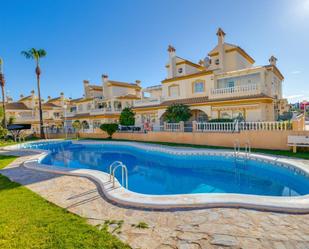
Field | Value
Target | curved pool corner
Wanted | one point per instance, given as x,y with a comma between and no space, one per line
120,195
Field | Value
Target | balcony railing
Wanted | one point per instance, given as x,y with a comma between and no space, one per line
237,91
147,102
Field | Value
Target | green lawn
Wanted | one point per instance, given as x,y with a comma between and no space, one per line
29,221
299,154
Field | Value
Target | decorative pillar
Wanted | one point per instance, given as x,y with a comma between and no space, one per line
182,126
194,128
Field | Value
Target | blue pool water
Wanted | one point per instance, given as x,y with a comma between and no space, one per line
153,172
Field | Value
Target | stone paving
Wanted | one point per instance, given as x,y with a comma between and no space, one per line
204,228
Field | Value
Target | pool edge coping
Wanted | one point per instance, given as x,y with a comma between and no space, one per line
120,195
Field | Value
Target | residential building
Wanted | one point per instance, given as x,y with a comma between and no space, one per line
225,84
26,111
102,104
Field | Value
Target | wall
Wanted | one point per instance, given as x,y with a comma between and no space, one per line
185,87
258,139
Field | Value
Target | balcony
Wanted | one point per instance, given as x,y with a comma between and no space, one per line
147,102
234,92
105,110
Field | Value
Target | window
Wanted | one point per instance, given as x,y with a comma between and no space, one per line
180,70
217,61
199,87
230,84
174,91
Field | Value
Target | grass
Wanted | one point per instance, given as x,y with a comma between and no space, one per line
141,225
6,160
29,221
299,154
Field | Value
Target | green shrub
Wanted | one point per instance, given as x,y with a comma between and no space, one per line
127,117
177,112
77,126
3,132
110,129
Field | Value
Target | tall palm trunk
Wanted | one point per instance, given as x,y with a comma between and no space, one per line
3,105
38,72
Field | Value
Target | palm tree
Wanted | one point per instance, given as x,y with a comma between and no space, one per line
2,83
37,55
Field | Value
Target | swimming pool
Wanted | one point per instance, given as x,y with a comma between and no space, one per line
154,170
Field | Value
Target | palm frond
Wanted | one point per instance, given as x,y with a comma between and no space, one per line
27,54
42,53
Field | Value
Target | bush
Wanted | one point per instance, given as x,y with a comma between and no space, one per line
221,120
177,112
110,129
285,116
127,117
3,132
77,126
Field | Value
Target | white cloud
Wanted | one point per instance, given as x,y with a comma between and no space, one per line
296,72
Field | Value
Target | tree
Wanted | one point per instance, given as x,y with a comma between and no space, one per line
285,116
110,129
127,117
2,84
37,55
77,126
3,132
177,112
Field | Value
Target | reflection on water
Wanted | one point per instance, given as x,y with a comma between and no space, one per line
158,173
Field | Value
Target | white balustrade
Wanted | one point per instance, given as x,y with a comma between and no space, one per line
248,126
173,127
242,90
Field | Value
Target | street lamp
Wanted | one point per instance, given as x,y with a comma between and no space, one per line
65,120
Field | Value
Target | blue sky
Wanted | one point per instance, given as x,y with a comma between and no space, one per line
128,39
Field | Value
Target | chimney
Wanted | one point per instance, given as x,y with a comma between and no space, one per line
172,61
273,60
105,78
138,82
86,82
221,35
21,96
48,98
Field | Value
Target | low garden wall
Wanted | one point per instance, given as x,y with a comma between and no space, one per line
258,139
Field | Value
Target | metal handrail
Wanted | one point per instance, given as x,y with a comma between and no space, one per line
236,148
124,173
248,148
114,164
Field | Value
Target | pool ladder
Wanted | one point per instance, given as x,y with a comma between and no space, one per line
237,149
124,173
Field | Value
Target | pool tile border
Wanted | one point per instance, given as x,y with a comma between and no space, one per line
120,195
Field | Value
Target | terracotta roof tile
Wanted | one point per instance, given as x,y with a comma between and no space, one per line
199,100
16,106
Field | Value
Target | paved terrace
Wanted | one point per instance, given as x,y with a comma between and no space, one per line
207,228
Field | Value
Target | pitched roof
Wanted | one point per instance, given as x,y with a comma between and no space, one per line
25,98
53,99
94,87
76,100
230,48
128,96
82,100
16,106
123,84
204,72
275,70
50,105
200,100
